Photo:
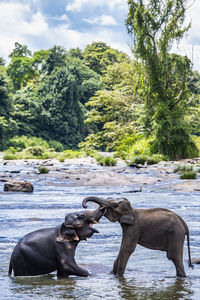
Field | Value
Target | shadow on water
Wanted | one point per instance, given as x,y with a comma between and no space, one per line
179,289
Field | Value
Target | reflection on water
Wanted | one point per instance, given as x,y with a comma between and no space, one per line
149,274
46,286
180,289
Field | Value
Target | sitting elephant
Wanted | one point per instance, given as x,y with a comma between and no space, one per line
156,228
49,249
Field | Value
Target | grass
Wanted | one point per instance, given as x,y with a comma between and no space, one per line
148,159
39,152
183,168
106,160
188,175
186,171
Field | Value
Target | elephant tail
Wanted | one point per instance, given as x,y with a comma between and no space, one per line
189,255
188,241
10,269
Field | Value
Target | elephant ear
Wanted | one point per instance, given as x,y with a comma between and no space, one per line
128,219
67,234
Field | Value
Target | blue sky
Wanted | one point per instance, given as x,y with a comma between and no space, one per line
41,24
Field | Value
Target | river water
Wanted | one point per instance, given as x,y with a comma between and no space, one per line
149,274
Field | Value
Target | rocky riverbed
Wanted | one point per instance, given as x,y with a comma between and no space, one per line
85,172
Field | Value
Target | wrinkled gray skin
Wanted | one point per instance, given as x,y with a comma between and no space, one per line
157,229
46,250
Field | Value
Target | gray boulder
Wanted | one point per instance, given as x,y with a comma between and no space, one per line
18,186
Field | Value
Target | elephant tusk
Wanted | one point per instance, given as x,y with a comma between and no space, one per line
95,222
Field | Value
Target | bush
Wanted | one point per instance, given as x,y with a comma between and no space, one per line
106,160
125,145
141,147
43,170
149,160
188,175
22,142
57,146
61,158
91,153
36,150
9,155
72,154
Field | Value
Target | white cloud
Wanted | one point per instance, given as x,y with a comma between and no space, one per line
102,20
19,24
72,38
61,18
16,23
79,5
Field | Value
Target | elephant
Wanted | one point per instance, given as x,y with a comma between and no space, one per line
50,249
155,228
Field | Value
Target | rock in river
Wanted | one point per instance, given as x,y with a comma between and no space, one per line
18,186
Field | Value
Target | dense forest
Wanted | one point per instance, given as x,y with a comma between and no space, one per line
100,98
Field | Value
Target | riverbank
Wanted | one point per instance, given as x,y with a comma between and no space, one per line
85,171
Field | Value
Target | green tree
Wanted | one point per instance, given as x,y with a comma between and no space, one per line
87,80
20,51
2,61
62,115
56,57
27,111
154,26
98,56
39,58
7,126
75,52
117,110
21,70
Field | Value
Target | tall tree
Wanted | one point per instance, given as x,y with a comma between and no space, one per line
21,68
2,61
99,55
116,110
7,126
20,50
62,115
56,57
154,26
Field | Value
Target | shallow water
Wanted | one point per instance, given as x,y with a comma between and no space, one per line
149,274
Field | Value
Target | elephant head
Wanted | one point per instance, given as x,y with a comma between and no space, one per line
116,209
78,226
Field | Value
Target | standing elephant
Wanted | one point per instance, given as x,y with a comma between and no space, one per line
156,228
49,249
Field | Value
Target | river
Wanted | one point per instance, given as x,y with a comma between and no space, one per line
149,274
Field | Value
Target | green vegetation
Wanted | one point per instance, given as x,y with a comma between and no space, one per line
183,168
106,160
186,171
99,99
43,170
22,142
188,175
146,159
36,148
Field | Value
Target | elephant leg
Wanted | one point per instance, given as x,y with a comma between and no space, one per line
115,265
127,248
175,253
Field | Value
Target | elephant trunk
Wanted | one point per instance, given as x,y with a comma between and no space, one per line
97,214
102,202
